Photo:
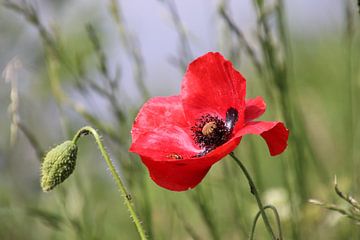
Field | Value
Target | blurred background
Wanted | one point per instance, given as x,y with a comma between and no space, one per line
66,64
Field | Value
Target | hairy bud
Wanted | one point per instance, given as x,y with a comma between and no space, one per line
58,165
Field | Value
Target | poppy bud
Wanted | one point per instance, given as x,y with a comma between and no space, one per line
58,164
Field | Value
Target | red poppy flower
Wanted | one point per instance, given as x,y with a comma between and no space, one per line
180,137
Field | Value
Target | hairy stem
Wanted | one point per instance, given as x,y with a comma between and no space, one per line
124,193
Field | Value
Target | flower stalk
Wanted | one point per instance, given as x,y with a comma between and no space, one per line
277,216
256,195
121,187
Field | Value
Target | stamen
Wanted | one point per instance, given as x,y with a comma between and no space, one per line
210,132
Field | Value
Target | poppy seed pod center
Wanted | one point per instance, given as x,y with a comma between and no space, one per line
211,131
209,128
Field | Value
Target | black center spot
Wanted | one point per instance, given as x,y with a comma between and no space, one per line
210,131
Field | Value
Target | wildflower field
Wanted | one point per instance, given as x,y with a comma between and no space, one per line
170,119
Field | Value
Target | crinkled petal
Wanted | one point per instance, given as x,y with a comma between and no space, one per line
157,112
184,174
255,107
211,85
274,133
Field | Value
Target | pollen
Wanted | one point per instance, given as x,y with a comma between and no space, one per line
174,156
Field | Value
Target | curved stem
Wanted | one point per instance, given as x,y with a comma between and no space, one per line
124,193
259,214
256,194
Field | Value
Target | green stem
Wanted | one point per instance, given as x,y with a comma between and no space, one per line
124,193
277,221
256,195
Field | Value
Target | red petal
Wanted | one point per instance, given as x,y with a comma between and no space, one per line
175,176
274,133
255,107
184,174
211,85
163,141
157,112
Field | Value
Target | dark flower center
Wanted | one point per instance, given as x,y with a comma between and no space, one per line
210,131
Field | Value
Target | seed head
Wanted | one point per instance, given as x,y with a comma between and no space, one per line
58,165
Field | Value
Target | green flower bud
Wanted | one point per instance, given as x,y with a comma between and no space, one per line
58,165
